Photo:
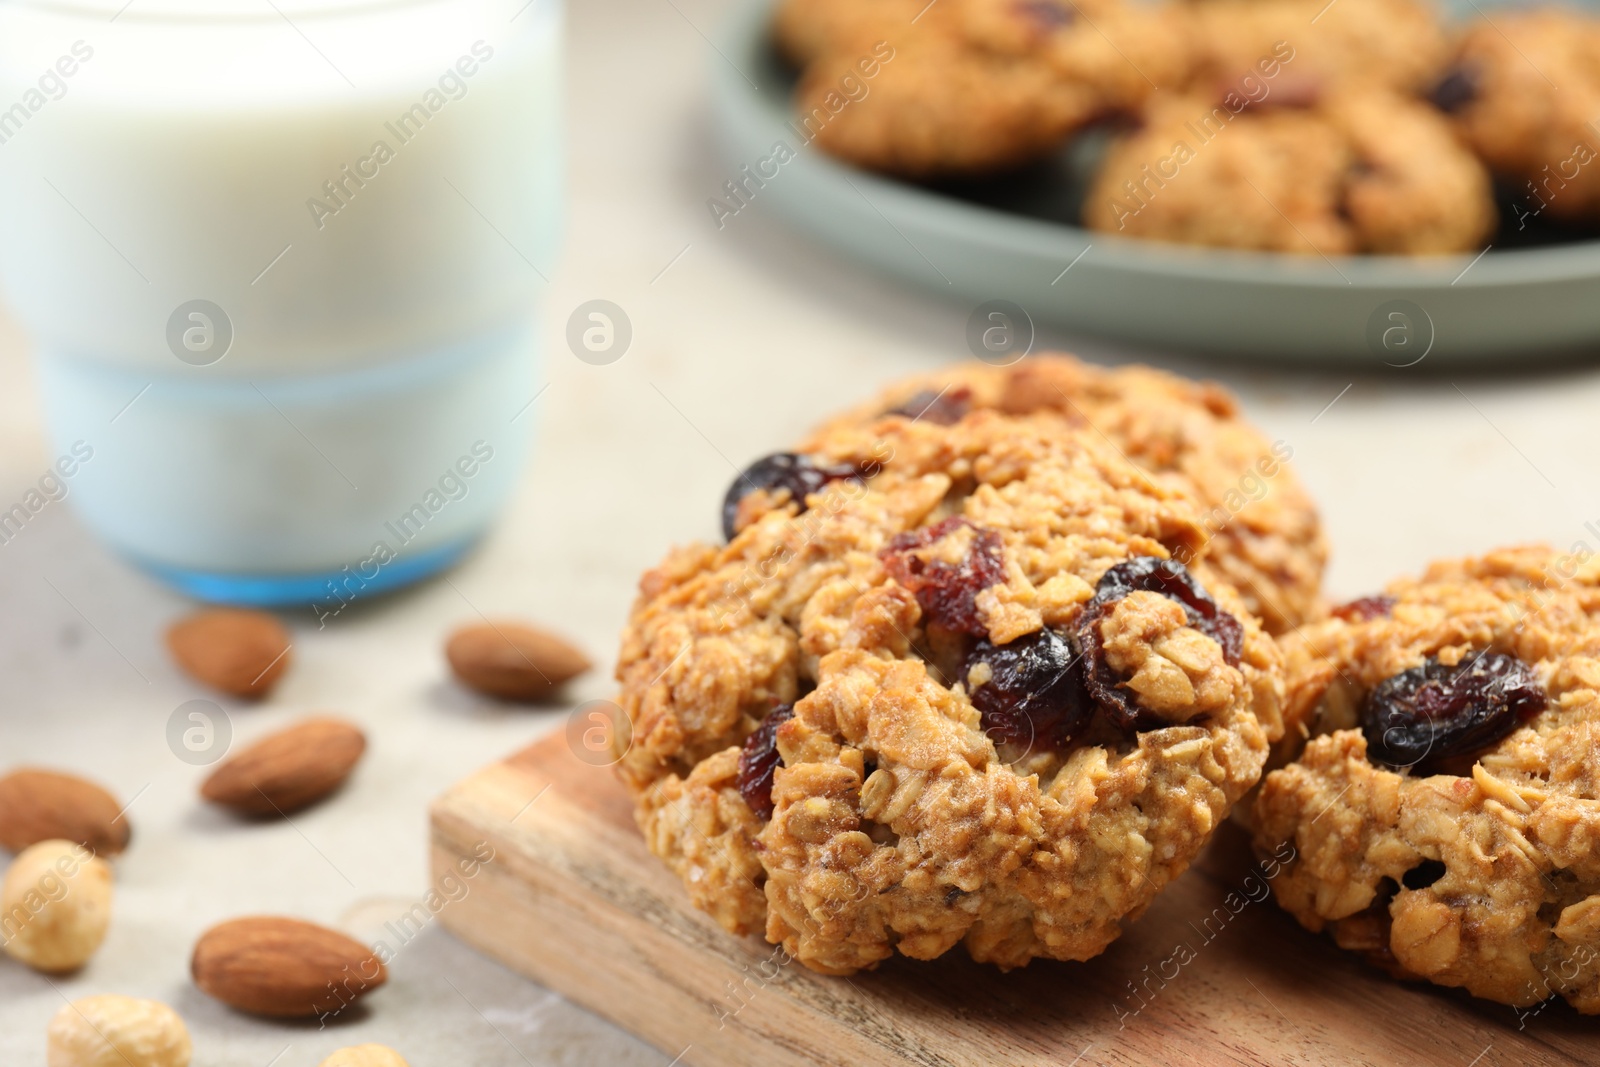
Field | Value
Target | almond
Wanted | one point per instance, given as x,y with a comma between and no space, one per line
288,770
512,660
242,653
39,805
284,967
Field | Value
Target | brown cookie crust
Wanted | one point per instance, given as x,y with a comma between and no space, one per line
898,825
1487,879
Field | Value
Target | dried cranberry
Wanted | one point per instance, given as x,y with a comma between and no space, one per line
1424,716
1045,15
1155,575
1172,579
944,408
1034,695
1300,91
1456,89
799,474
1287,93
1365,609
759,759
947,592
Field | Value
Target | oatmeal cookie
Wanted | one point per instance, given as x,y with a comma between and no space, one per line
1263,534
807,30
1330,173
1524,91
971,86
945,684
1445,815
937,108
1395,44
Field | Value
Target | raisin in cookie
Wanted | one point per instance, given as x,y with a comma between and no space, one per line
945,684
1525,91
1327,172
1445,817
1264,536
968,87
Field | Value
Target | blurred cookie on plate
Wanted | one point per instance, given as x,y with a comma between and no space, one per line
970,87
1308,169
1524,90
807,30
1396,44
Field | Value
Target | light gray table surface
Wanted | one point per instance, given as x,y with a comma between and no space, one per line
742,337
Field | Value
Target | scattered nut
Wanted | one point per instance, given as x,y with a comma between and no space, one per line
513,661
284,967
113,1031
242,653
38,805
288,770
55,906
366,1056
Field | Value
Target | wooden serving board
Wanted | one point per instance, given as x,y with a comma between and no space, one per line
574,901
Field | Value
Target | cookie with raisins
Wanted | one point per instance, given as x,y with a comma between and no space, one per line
1445,812
1268,47
956,678
1262,532
1314,170
970,87
1524,92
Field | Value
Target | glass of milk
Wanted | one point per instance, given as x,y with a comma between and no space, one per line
280,261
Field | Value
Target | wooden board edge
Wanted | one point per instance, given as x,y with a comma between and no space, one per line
595,932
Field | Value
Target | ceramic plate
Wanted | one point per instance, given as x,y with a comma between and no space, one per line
1013,244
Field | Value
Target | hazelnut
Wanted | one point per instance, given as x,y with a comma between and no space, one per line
365,1056
115,1031
55,906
